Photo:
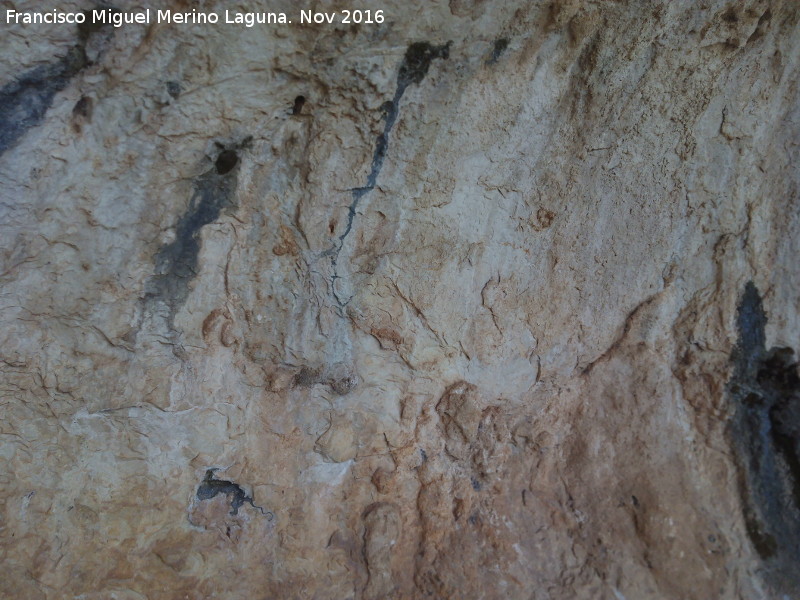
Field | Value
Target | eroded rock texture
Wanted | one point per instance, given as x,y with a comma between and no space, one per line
493,300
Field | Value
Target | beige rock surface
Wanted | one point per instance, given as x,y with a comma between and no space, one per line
471,319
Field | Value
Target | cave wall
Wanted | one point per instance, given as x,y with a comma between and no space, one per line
492,300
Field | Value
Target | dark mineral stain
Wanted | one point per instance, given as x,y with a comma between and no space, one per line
415,65
25,100
765,429
498,48
211,487
176,262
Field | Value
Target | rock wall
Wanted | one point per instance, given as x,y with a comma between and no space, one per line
491,300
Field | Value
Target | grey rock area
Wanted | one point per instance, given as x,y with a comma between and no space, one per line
495,299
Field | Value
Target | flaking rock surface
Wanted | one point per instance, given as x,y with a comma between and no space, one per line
492,300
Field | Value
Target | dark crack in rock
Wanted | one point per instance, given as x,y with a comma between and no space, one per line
415,65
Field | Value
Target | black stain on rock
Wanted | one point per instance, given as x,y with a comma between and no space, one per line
25,100
765,429
415,65
211,487
413,69
498,48
176,262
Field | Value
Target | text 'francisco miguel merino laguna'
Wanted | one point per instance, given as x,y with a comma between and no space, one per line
248,19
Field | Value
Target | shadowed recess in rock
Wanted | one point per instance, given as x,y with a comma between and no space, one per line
211,487
765,389
176,262
415,65
297,107
498,48
25,100
173,88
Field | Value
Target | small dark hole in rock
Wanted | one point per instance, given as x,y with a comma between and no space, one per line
226,161
174,88
298,105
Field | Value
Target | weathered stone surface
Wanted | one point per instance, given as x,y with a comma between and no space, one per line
493,300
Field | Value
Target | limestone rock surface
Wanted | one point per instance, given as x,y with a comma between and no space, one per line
495,299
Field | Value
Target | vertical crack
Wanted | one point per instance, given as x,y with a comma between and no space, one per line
415,65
